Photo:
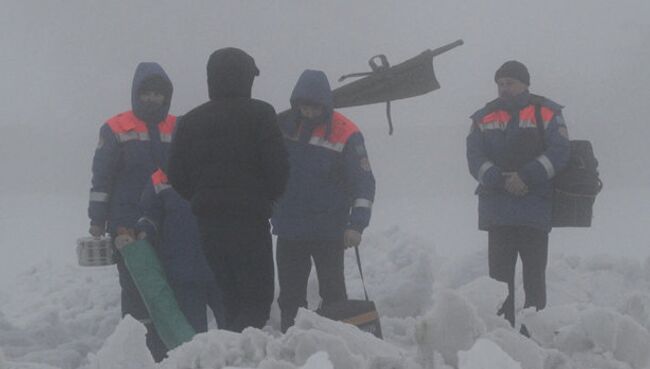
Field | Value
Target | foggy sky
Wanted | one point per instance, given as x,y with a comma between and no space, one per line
67,67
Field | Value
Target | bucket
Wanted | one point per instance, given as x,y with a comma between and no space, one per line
95,251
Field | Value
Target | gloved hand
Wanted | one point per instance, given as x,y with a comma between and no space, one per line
124,237
123,240
351,238
514,184
97,230
142,235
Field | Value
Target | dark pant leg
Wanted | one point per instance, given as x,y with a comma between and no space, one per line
502,259
328,258
240,254
294,266
255,276
133,305
192,300
533,250
215,246
215,302
131,300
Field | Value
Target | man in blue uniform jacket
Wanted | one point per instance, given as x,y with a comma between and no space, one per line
132,145
328,200
516,145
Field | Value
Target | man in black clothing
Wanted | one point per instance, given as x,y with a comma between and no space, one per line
228,159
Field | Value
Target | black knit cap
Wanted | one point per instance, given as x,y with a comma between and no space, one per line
230,73
513,69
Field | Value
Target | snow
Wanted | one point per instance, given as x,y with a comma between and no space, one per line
124,349
486,354
436,312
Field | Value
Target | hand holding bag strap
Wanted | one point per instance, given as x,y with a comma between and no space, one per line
356,250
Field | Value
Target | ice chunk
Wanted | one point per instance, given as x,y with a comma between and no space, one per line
452,325
125,348
520,348
632,343
486,354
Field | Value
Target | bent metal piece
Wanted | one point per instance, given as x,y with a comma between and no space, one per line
413,77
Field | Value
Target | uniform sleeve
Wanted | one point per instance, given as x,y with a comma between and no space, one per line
179,170
481,168
553,159
151,213
273,155
104,169
360,182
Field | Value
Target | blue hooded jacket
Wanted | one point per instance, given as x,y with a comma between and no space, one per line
131,147
331,186
168,221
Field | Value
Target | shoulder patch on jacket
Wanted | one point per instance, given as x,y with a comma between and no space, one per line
564,132
364,163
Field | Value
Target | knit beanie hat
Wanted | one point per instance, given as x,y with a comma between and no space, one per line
513,69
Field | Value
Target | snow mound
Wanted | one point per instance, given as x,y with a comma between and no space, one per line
404,268
451,326
432,316
524,351
125,348
486,354
303,346
60,314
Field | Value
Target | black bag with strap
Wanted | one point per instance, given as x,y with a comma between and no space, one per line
360,313
576,186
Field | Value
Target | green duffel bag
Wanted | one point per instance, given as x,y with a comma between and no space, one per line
149,277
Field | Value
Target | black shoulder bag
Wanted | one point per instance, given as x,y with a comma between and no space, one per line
576,186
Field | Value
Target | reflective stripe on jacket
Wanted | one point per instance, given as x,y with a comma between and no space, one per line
331,186
128,152
503,140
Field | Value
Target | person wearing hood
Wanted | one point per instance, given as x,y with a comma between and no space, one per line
328,200
167,223
517,143
132,146
228,159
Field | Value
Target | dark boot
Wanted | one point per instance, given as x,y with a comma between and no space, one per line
286,322
508,307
